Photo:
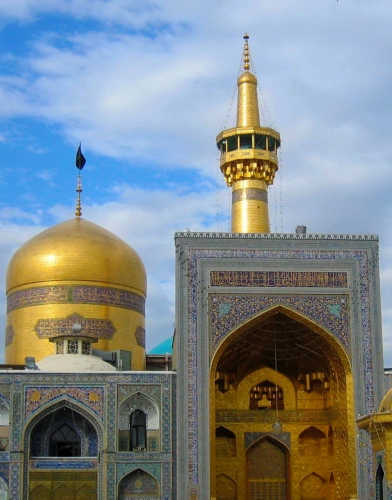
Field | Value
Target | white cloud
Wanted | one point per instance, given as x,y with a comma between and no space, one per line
156,93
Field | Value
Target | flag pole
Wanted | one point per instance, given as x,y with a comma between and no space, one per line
78,211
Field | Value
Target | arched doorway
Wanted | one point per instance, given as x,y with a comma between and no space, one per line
281,366
266,471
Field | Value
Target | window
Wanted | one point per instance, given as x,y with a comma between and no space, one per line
379,483
222,146
138,431
273,144
86,347
260,142
60,347
73,347
64,442
245,141
232,143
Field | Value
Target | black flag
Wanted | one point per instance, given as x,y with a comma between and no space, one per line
80,159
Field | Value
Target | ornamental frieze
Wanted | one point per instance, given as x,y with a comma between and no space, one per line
60,327
279,279
77,294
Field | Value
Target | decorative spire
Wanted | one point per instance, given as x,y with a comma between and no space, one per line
248,105
80,163
246,52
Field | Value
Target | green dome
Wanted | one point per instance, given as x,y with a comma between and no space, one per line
165,347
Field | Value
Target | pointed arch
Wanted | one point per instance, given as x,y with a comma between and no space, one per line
138,484
86,492
307,363
226,442
265,373
379,483
226,488
138,402
291,313
312,441
63,432
63,401
267,469
313,487
40,492
63,492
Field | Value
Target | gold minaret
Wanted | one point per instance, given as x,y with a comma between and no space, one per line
248,158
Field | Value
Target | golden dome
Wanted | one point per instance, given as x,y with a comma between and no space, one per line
76,250
386,403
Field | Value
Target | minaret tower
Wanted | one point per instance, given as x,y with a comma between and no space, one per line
249,158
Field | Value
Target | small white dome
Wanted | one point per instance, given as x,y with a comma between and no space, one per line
74,363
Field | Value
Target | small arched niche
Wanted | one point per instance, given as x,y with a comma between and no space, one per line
130,424
225,441
312,441
226,488
266,396
40,492
138,484
313,487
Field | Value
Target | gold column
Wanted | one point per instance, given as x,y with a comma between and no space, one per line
249,212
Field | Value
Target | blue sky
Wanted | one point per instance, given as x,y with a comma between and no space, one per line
147,86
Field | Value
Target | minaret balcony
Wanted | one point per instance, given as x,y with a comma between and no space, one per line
248,154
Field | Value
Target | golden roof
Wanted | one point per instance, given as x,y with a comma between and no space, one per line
76,250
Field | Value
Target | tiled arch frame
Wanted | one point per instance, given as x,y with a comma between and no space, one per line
337,351
147,405
64,401
153,469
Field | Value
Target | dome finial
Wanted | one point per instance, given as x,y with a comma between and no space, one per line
78,211
80,163
246,52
